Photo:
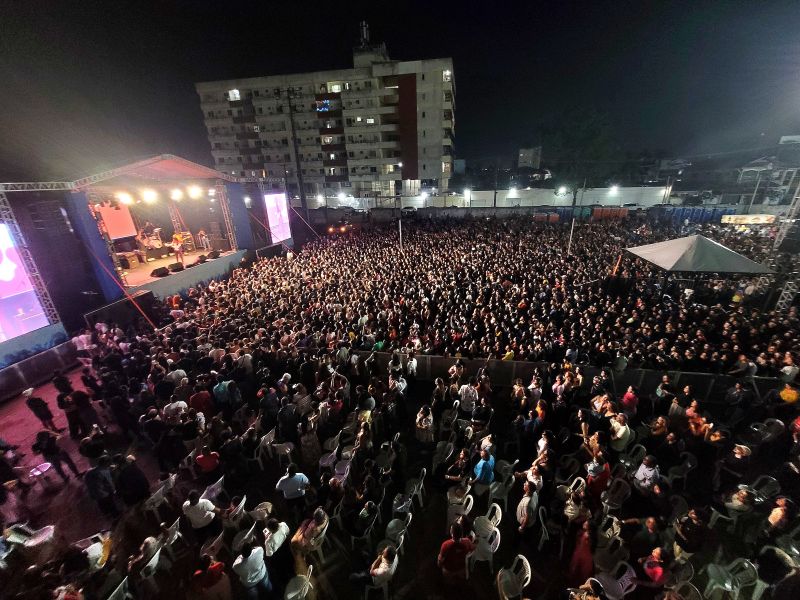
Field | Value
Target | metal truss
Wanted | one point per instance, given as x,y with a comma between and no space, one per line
222,200
7,217
174,216
37,186
788,293
95,198
788,220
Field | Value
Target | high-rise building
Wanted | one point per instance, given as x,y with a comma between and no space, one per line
382,128
530,157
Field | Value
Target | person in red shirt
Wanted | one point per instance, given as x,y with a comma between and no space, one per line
210,579
453,552
207,461
202,402
630,401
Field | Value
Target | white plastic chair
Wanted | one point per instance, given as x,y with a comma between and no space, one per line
365,539
679,472
505,468
548,530
687,591
765,487
235,517
415,487
499,490
605,559
242,537
485,550
329,448
619,582
299,586
397,529
731,579
454,510
122,591
317,544
172,537
520,571
633,457
213,491
615,495
444,450
188,464
494,514
149,572
213,546
265,447
154,502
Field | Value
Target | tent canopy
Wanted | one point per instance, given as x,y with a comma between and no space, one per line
697,254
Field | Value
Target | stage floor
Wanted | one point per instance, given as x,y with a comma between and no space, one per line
141,274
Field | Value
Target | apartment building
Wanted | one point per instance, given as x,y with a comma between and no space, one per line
382,128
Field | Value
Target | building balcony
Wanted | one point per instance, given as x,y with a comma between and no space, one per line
363,177
396,176
331,130
329,96
333,147
246,135
336,178
329,114
240,120
336,162
227,120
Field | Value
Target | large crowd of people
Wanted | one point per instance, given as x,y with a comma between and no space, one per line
286,428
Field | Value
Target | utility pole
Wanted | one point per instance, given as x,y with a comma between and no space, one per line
494,203
295,145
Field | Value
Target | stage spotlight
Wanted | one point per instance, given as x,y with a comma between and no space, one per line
149,196
212,192
176,194
124,197
194,191
343,229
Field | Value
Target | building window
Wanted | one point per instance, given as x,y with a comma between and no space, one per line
423,114
370,121
447,75
334,88
358,119
423,77
327,139
333,156
347,85
234,95
256,128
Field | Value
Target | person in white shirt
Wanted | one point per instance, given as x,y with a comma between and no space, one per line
526,509
381,569
252,572
174,409
468,396
201,514
646,475
620,433
275,534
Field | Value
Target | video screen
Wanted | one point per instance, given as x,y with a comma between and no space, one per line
20,309
278,217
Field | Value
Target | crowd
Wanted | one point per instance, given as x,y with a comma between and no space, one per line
279,447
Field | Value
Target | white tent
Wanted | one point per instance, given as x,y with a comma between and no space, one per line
697,254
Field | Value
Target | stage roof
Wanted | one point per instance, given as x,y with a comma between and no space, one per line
697,254
161,168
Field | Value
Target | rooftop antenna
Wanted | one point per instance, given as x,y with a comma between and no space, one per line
364,34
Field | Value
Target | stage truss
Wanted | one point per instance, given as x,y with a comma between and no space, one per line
7,217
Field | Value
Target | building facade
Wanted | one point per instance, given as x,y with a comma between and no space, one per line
382,128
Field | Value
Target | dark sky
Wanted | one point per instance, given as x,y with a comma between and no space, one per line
85,83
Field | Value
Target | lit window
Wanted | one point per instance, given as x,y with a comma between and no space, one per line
256,128
333,156
370,121
234,95
335,88
447,75
358,119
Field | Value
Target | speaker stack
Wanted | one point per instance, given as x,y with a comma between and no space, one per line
159,272
175,267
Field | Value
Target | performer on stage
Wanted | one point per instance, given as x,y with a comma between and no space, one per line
148,228
177,246
205,242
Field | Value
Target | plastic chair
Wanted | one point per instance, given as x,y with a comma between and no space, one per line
609,528
397,529
687,591
520,571
188,464
454,510
299,586
444,450
385,585
265,447
564,491
765,487
505,468
149,571
172,537
499,490
774,429
366,538
679,472
568,467
316,545
212,547
633,458
494,514
154,502
681,572
619,582
213,491
122,591
679,508
606,559
415,488
242,537
485,550
341,471
739,574
235,517
548,530
615,495
283,452
396,544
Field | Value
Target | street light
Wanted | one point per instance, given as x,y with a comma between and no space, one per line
424,195
562,190
613,190
341,196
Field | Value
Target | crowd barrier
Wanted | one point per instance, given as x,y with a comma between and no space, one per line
504,372
36,370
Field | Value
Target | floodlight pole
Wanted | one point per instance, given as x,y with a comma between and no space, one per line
572,227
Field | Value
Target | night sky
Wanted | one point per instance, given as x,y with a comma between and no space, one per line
87,84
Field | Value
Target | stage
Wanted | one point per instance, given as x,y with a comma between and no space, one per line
176,283
141,273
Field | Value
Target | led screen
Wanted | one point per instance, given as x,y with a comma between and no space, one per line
278,217
118,221
20,310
